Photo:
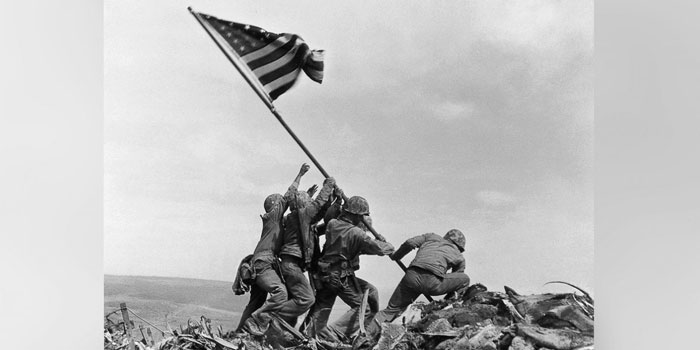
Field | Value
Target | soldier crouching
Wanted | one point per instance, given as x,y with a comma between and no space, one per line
427,273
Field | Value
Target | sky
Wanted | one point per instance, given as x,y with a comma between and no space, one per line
476,115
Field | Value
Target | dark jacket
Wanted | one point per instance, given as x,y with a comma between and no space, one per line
435,254
299,240
270,241
345,242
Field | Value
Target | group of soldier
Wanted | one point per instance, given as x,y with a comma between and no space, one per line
289,246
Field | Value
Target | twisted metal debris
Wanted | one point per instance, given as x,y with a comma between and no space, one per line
479,320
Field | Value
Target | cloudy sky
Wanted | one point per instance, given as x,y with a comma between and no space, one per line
476,115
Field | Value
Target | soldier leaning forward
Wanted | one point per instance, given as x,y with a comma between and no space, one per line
427,273
335,275
264,264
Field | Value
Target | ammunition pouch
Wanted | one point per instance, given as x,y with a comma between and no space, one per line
247,273
334,275
245,276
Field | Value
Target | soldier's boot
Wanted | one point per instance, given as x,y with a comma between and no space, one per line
257,324
278,337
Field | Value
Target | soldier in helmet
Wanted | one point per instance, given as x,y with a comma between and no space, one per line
345,242
427,273
298,245
265,262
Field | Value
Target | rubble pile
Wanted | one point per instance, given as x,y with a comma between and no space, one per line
488,320
478,320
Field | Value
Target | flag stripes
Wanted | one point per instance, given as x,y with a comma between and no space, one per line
277,53
276,60
267,49
271,62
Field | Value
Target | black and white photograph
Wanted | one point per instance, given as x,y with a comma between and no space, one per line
348,175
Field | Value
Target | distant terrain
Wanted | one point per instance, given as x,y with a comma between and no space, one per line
180,299
154,298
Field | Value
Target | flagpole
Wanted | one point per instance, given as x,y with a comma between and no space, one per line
258,90
234,61
294,136
268,102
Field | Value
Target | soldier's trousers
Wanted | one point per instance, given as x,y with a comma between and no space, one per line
299,292
267,282
343,328
415,282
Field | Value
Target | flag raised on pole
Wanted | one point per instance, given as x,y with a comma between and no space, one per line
270,62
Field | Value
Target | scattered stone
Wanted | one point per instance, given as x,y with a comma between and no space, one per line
520,343
486,338
473,291
391,335
411,315
438,326
486,320
554,310
558,339
475,314
448,344
411,341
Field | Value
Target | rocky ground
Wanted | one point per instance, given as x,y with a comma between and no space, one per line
479,320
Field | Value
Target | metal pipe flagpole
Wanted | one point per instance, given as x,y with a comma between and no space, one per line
253,82
255,85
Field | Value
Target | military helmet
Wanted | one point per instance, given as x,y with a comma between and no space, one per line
457,237
271,200
357,205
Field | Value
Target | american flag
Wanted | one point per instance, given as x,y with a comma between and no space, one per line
275,59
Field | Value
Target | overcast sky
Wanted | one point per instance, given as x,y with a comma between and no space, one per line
476,115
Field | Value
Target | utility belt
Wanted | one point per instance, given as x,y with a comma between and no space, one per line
341,266
292,259
248,272
336,274
422,271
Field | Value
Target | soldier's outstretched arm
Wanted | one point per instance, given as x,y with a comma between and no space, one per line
410,244
328,186
292,190
312,190
303,170
376,247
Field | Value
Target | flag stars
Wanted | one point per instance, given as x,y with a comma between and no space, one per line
247,27
228,34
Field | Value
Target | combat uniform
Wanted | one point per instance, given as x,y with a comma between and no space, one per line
426,274
265,263
297,252
336,273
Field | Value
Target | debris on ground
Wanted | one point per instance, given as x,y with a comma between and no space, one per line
478,320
